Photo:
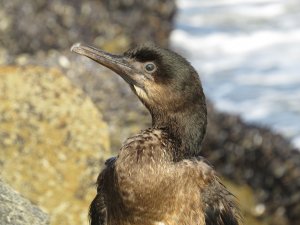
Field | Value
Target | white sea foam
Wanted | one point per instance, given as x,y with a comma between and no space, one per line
202,3
236,43
247,52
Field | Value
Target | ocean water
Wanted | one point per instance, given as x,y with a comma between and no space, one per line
247,53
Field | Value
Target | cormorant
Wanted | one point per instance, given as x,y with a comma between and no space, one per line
157,178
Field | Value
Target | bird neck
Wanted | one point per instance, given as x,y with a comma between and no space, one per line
186,128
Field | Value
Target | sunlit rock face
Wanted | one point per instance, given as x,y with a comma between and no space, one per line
52,141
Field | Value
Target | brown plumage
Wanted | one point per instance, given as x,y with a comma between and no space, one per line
157,177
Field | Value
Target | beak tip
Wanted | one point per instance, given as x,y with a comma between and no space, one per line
75,46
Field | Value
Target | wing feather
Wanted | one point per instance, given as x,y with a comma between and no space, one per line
98,209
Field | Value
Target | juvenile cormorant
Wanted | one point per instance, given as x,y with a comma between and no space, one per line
157,178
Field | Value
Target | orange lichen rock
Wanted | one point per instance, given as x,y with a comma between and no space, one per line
52,140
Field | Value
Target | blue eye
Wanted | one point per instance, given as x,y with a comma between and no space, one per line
150,67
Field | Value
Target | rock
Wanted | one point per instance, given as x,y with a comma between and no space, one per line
16,210
121,109
58,24
52,141
256,156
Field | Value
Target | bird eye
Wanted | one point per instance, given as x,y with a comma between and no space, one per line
150,67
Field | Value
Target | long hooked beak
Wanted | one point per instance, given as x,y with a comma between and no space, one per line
117,63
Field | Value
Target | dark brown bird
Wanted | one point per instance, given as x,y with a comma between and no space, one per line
157,178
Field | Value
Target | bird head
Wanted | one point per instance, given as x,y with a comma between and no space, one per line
164,81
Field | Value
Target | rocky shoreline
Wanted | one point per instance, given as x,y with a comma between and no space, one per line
250,157
256,156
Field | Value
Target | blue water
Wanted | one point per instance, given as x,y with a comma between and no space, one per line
247,53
